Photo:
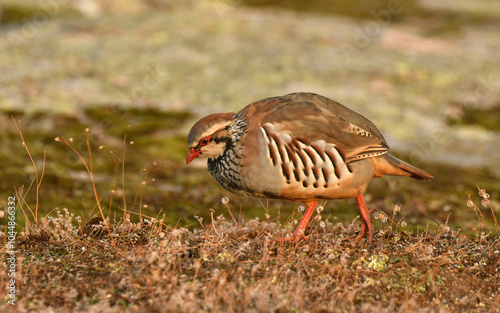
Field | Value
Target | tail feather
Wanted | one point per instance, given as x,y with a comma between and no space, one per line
388,164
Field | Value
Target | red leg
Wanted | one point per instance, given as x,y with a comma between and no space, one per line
298,234
367,220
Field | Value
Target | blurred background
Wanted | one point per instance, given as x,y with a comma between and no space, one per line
138,74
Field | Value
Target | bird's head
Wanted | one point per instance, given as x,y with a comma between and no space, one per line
209,137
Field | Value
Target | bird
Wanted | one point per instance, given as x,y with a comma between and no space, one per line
300,147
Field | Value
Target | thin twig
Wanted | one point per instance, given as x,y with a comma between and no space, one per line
39,177
123,176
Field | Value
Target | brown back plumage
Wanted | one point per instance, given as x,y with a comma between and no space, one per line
313,117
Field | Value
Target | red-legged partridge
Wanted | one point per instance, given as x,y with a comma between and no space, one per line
299,147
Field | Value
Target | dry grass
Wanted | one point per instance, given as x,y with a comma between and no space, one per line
235,268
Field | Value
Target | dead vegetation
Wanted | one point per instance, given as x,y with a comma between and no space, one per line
228,267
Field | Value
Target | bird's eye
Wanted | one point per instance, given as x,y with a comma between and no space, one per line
205,141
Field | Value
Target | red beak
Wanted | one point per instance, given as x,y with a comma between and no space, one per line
192,155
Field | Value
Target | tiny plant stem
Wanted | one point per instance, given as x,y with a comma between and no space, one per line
479,215
429,217
123,176
497,227
91,173
39,183
23,198
140,204
231,213
213,223
495,222
38,176
393,222
20,203
94,188
114,186
138,193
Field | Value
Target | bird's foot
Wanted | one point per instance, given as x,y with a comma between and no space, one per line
298,234
361,234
